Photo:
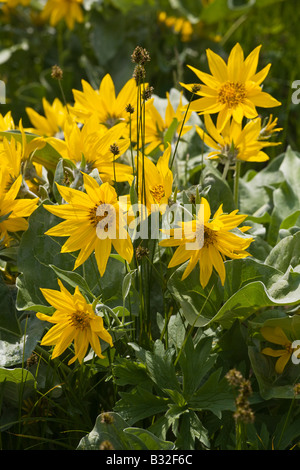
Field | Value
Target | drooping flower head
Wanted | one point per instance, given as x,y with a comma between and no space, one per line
235,142
208,241
74,321
95,221
232,89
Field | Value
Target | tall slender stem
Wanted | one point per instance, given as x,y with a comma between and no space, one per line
236,183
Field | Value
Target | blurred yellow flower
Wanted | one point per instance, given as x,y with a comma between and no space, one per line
212,241
276,335
180,25
14,3
234,142
68,10
53,121
74,321
94,221
233,89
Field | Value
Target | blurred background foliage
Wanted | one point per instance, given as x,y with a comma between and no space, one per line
175,32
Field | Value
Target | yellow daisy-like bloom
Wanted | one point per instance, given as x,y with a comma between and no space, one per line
68,10
155,181
235,142
93,142
212,242
276,335
53,121
232,89
13,211
94,221
109,108
74,320
156,125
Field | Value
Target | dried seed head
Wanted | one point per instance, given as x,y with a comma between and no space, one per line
244,414
139,74
196,88
234,377
141,252
114,148
140,55
107,418
147,93
106,445
57,72
129,109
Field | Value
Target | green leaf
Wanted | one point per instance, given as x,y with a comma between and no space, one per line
140,404
16,384
285,253
8,318
110,427
72,278
215,395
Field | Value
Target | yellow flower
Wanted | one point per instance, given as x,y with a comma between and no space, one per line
74,320
69,10
12,210
232,89
104,103
276,335
155,181
53,121
180,25
6,122
93,142
94,221
235,142
212,241
156,125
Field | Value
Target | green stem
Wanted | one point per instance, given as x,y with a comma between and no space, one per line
180,132
285,423
236,183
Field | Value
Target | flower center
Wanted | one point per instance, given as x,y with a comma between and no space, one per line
80,320
95,218
209,236
157,192
232,94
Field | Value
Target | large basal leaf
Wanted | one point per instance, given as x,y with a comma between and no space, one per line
250,286
110,427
